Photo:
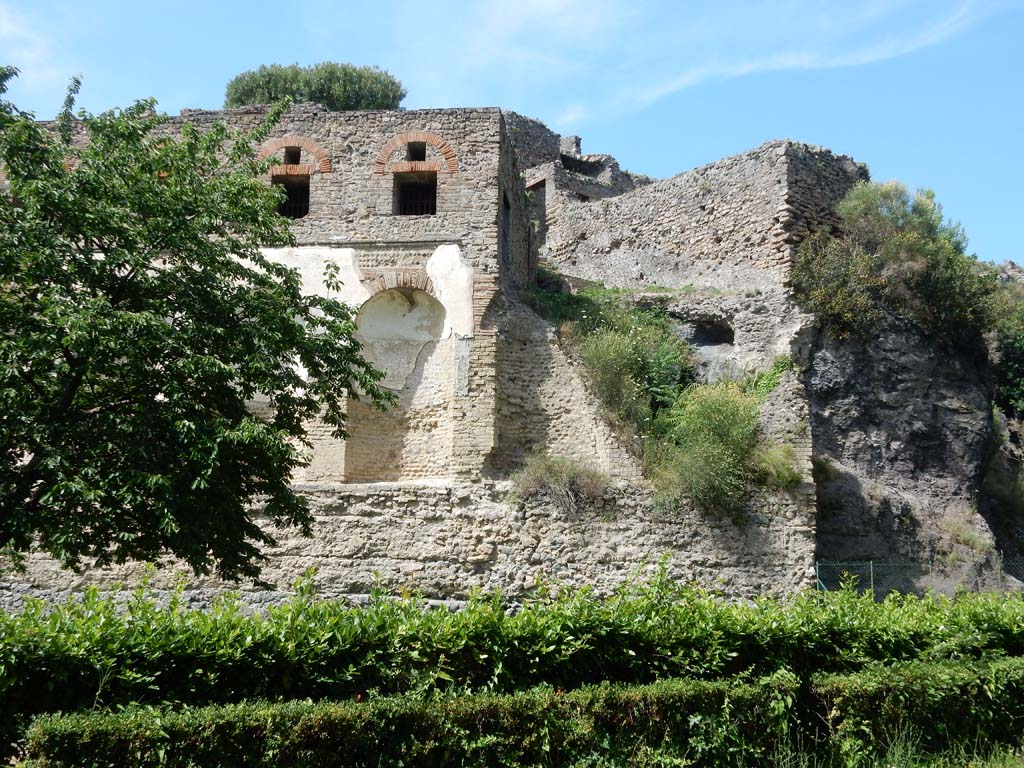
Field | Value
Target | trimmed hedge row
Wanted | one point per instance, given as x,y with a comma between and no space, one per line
701,722
938,705
92,653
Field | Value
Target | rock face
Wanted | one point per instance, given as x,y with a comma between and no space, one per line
902,433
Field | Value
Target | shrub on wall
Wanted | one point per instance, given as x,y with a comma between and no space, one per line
568,483
706,447
700,440
637,364
894,252
1008,370
703,448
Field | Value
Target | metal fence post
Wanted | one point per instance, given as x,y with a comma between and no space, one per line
871,572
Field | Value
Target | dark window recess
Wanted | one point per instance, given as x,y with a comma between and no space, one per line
296,190
506,226
292,155
416,151
415,194
712,332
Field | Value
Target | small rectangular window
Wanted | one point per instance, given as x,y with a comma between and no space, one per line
416,151
292,155
415,194
296,190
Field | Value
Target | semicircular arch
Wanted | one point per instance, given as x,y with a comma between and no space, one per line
451,161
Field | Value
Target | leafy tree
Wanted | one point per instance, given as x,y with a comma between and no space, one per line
1008,370
139,319
336,86
895,253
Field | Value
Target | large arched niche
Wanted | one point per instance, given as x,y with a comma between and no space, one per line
404,333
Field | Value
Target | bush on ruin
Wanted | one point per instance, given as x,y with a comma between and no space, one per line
337,87
894,252
568,483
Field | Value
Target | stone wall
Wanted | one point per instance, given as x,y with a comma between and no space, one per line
729,225
534,143
545,404
445,540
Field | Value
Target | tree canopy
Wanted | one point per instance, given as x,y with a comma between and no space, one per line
139,320
336,86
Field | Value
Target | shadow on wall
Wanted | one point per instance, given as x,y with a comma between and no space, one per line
403,333
523,415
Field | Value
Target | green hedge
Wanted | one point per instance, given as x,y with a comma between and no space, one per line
701,722
852,719
935,704
91,653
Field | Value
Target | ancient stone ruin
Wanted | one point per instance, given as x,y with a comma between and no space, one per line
436,219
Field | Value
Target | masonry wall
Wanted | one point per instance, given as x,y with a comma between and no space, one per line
534,143
447,540
350,159
544,404
731,224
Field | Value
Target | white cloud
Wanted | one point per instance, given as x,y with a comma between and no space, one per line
581,60
880,38
32,53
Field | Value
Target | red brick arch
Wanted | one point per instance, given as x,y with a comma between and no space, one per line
451,161
323,162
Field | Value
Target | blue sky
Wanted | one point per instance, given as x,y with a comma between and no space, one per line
930,92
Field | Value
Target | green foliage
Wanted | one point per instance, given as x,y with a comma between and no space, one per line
706,447
138,320
1008,369
896,254
337,87
963,702
760,384
89,653
677,722
700,440
692,678
775,467
637,364
705,443
568,483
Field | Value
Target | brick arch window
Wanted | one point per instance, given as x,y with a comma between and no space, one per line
414,187
292,174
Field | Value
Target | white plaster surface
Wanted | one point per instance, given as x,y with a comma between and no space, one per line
453,284
311,261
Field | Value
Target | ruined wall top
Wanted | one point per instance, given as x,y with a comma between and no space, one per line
732,224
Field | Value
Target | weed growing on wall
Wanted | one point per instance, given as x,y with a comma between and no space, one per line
702,448
637,364
706,448
568,483
700,440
